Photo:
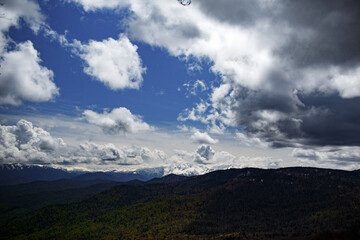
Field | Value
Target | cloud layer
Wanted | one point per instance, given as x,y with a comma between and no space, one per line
25,143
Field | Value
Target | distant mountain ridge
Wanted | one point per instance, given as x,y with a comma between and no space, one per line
171,178
11,174
111,176
21,173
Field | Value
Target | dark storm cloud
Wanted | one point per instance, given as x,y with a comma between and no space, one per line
268,115
333,32
324,34
313,120
335,123
242,12
327,31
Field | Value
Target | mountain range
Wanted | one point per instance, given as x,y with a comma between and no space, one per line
21,173
287,203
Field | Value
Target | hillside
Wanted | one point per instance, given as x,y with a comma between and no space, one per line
42,193
290,203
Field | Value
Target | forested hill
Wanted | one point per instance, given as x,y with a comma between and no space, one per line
289,203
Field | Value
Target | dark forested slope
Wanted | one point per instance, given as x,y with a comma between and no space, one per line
290,203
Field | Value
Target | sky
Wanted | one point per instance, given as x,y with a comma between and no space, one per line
122,85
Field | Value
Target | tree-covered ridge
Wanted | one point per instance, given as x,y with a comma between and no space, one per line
292,203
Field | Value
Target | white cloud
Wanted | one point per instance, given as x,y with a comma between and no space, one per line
119,120
329,79
249,141
195,88
93,5
220,93
12,11
195,114
27,144
216,120
205,159
116,63
347,83
23,78
183,128
204,154
346,158
216,128
202,138
235,51
108,154
343,155
24,143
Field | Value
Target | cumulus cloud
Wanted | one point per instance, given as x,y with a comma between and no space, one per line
204,154
280,72
119,120
23,78
115,63
26,143
202,138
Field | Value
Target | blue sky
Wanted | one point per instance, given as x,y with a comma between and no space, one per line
164,78
191,88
